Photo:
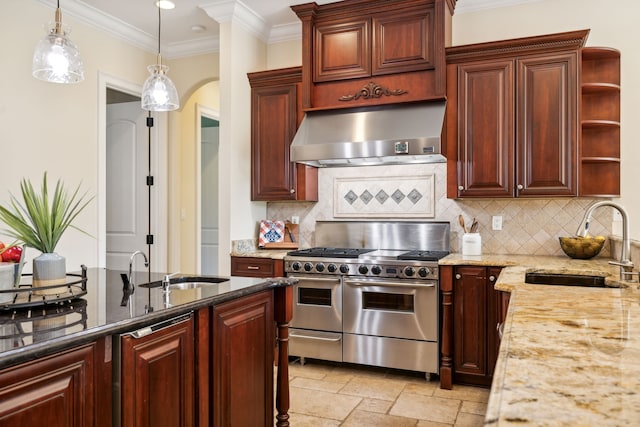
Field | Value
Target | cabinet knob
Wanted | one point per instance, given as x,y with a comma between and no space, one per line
520,186
460,187
292,191
458,276
492,278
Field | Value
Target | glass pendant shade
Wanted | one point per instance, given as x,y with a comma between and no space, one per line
159,93
56,58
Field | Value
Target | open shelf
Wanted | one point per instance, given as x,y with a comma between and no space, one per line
599,166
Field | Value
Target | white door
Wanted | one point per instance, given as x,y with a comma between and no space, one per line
127,200
209,189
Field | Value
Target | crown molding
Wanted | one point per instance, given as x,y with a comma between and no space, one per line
237,12
463,6
285,32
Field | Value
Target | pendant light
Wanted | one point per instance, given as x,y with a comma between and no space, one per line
159,93
56,58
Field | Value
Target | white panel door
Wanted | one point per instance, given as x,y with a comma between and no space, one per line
127,168
209,187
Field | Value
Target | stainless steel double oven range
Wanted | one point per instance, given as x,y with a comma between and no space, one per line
369,294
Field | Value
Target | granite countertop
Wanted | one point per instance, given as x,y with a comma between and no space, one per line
570,355
26,334
263,253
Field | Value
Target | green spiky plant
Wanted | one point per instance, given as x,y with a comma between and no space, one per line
39,222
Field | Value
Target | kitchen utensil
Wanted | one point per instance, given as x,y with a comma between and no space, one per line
474,226
291,237
461,221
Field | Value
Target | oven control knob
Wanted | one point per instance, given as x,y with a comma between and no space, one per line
344,269
363,269
332,268
376,269
409,271
320,267
423,272
308,266
296,266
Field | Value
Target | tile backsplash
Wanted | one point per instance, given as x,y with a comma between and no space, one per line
529,226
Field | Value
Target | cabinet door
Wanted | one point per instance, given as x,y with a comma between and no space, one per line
273,128
342,50
470,324
243,342
53,391
495,316
485,131
547,125
158,377
403,42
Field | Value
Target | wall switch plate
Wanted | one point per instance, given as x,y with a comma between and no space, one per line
496,222
295,219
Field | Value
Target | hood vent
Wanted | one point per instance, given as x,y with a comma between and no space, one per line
398,134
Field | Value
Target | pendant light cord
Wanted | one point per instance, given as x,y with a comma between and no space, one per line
159,26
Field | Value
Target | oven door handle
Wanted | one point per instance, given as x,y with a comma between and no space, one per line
311,337
315,279
391,284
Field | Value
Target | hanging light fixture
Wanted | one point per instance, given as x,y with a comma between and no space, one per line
159,93
56,58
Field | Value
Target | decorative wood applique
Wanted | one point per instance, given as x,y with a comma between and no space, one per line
372,90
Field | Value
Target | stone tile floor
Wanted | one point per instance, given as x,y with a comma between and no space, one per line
330,394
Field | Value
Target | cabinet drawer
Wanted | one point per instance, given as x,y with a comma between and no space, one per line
256,267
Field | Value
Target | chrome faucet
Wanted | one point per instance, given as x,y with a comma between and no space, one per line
166,281
625,263
146,264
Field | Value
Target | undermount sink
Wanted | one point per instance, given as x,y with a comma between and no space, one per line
188,282
559,279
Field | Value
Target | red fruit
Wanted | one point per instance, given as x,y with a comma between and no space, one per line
1,246
12,254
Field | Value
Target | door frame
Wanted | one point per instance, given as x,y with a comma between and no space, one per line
210,113
159,222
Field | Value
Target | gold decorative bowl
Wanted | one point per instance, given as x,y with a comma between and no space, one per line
582,247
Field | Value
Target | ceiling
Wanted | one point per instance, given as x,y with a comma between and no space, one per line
136,21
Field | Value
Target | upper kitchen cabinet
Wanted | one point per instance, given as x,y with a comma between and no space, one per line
275,116
512,117
599,168
368,52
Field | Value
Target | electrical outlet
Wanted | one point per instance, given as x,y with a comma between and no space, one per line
496,222
295,219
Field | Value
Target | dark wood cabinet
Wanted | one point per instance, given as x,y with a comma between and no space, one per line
512,117
275,116
242,370
599,167
157,377
472,314
358,53
257,267
65,389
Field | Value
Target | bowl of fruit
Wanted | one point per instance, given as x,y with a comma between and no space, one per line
579,247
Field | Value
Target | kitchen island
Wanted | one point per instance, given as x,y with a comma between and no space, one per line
570,355
64,360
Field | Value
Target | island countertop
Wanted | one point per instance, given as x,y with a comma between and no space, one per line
570,355
27,334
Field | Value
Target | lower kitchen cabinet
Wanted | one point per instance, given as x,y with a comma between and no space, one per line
242,371
65,389
157,376
256,267
473,312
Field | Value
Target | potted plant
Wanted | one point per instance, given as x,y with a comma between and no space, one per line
39,222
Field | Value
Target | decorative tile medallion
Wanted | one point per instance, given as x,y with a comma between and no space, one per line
388,197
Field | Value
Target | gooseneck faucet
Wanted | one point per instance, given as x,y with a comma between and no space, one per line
625,263
146,264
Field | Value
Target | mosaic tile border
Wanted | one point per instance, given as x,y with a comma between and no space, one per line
388,197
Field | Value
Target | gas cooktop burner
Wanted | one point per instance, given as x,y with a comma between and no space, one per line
330,252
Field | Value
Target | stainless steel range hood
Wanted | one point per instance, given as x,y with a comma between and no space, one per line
397,134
